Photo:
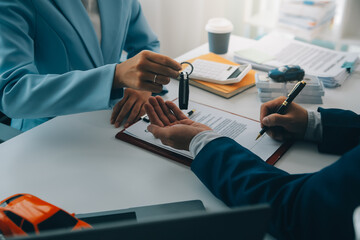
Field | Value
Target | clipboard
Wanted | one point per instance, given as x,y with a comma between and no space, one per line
153,148
123,136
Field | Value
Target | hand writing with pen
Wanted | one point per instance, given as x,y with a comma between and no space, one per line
175,129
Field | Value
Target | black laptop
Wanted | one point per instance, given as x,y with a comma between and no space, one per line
182,220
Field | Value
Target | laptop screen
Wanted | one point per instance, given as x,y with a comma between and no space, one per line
238,223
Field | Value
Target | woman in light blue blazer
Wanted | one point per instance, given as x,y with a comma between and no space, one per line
55,60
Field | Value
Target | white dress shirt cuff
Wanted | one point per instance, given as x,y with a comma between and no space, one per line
200,140
314,127
313,133
356,218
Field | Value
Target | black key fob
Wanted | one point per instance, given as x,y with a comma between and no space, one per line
184,91
184,87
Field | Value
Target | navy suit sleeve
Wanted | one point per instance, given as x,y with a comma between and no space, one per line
306,206
341,130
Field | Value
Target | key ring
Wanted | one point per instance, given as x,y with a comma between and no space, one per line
192,67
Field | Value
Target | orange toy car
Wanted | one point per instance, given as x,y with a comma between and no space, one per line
22,214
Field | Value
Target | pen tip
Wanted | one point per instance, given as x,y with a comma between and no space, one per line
259,135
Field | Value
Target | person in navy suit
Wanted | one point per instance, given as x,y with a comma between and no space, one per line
63,57
317,205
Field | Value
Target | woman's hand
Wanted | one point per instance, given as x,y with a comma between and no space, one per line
132,105
146,71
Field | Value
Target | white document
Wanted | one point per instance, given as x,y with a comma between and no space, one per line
241,129
316,61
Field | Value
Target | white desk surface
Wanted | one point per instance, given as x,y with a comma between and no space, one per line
75,161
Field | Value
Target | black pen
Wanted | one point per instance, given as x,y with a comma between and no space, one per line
294,92
145,117
191,112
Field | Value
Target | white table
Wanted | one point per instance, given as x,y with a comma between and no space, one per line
75,161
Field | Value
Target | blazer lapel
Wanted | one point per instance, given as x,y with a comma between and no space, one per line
112,16
76,14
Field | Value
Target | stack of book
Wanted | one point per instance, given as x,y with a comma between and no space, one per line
268,89
306,19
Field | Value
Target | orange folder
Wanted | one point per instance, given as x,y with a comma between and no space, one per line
224,90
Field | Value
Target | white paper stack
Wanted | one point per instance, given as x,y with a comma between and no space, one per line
273,50
268,89
306,19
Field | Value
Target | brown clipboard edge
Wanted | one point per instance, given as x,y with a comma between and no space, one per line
185,160
278,153
153,148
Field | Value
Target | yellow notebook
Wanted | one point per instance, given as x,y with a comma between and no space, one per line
223,90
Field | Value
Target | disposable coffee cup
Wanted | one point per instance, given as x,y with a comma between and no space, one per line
219,30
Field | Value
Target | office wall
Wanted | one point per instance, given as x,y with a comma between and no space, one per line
180,25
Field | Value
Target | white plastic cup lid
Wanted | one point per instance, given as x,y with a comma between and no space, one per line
219,25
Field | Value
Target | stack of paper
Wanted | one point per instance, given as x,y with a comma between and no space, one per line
273,50
268,89
306,19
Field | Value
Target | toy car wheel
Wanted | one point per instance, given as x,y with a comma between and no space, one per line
302,77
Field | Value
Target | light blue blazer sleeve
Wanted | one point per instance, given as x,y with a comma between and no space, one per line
51,62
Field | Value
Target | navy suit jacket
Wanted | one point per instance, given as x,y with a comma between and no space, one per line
316,205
